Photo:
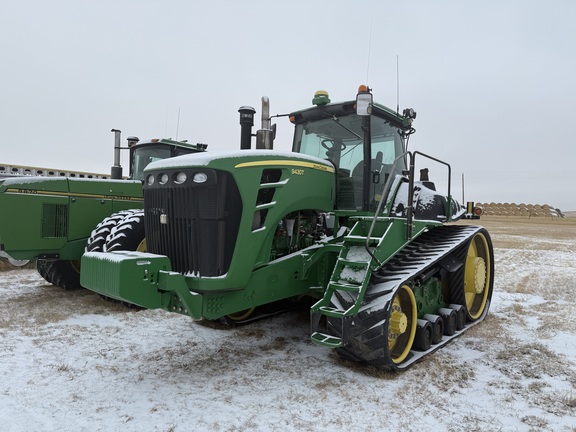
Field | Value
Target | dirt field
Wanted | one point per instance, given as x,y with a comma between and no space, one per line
501,227
70,361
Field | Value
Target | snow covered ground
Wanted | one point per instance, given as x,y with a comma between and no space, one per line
70,361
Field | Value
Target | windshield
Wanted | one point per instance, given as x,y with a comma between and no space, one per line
340,140
144,155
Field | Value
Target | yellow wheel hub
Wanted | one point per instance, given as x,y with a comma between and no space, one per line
476,277
398,323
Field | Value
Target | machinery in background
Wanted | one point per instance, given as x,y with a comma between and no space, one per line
48,215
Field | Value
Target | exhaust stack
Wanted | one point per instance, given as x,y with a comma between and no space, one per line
265,136
246,123
116,172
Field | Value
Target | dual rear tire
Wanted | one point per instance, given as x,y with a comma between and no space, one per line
120,231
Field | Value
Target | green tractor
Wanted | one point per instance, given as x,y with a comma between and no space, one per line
341,220
50,216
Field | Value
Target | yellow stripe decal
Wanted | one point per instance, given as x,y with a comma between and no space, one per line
302,164
72,195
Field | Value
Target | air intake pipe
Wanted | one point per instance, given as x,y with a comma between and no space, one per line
246,123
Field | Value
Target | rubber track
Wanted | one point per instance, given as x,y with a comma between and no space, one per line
369,329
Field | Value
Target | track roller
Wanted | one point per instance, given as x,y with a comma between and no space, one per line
437,324
449,318
423,338
460,315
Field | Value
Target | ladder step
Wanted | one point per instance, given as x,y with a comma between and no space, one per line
326,340
344,286
354,263
331,311
350,276
361,239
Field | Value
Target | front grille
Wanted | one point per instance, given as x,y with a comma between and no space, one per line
194,224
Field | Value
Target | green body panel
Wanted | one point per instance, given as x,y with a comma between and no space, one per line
302,185
429,297
253,278
146,280
53,217
114,270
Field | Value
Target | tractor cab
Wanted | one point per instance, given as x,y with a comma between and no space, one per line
364,141
144,153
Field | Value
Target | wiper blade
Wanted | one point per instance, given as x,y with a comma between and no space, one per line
337,121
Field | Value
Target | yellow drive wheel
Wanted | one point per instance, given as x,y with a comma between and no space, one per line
142,246
477,276
241,315
402,324
75,264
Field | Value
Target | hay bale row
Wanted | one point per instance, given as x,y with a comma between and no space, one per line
520,210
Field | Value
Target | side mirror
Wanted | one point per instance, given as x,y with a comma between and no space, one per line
364,101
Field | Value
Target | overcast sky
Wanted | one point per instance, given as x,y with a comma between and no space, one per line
493,82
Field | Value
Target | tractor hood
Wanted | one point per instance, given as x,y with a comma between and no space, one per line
242,158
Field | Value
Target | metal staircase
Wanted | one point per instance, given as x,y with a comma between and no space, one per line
350,277
371,243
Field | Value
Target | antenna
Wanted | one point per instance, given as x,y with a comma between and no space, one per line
463,189
178,124
166,123
369,51
397,85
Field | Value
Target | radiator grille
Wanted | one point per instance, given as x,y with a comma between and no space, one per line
55,220
201,222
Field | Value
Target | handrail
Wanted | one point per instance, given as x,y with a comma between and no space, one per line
409,216
449,212
385,192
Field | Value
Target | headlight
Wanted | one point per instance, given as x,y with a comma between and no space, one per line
200,177
180,178
150,180
163,178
